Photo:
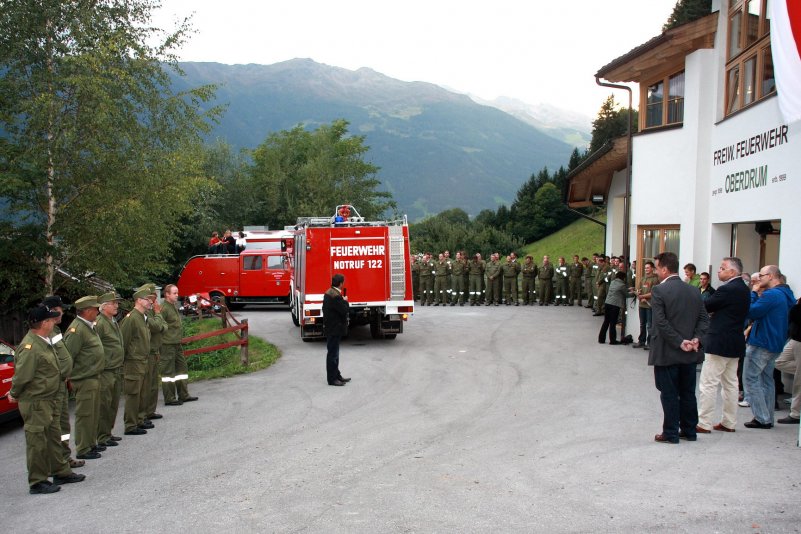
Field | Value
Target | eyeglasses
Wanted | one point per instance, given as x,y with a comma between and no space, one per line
763,274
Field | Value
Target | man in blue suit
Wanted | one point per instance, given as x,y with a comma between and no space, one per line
679,322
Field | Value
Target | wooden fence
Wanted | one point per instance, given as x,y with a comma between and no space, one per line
230,324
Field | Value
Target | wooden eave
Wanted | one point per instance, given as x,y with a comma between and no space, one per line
668,49
594,175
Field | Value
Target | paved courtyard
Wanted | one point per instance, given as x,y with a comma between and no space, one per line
476,419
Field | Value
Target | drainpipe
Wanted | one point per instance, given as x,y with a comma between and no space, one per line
627,197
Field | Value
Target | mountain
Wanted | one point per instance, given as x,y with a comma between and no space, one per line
436,149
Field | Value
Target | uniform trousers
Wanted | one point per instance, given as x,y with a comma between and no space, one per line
561,290
87,412
546,290
588,285
43,439
134,378
110,392
426,289
575,291
64,420
458,289
174,372
529,290
789,361
510,289
150,387
476,281
441,289
718,370
494,290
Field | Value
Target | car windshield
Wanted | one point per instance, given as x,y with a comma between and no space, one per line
6,353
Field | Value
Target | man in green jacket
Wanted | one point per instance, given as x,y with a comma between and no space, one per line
476,280
172,365
36,385
510,270
136,339
111,377
545,276
493,271
157,326
88,361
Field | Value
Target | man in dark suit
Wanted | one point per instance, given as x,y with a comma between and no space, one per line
335,317
679,321
724,345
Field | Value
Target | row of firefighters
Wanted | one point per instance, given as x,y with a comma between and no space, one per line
446,281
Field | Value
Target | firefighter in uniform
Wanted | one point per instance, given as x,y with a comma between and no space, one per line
593,304
111,377
602,279
493,270
172,363
157,326
529,270
36,386
587,280
576,272
136,336
442,269
510,271
545,277
415,266
448,279
476,277
55,304
458,269
88,362
561,273
427,270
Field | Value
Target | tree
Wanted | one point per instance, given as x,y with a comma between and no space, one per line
302,173
97,150
611,122
687,11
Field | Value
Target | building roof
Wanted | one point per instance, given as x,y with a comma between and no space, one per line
594,175
663,52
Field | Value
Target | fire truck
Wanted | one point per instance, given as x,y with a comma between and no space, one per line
258,275
374,258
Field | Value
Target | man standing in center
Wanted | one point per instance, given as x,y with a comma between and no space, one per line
335,323
724,345
679,322
136,336
172,363
545,276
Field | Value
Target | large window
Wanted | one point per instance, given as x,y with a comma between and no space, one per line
749,67
652,240
664,101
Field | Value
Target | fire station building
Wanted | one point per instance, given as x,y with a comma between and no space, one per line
716,170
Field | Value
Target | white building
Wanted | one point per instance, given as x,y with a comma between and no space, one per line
715,170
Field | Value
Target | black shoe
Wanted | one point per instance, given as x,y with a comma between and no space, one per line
597,314
173,403
614,342
44,487
135,432
111,443
346,380
789,420
115,438
684,436
155,416
91,455
99,447
638,345
146,426
68,479
336,383
188,399
753,423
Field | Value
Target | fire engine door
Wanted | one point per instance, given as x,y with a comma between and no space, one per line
264,275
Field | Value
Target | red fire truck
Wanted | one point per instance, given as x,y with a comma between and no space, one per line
258,275
374,258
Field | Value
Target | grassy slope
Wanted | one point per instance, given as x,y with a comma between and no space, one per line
583,237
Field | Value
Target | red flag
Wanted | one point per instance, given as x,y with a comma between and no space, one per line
785,41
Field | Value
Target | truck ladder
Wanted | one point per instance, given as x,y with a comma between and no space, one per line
397,263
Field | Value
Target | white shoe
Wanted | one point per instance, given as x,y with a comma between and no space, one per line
744,403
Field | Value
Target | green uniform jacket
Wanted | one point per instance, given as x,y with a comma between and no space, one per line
135,336
64,356
510,269
157,326
529,270
88,357
175,325
562,271
427,269
36,371
459,268
646,285
476,267
602,277
111,337
589,272
546,272
442,268
493,270
576,270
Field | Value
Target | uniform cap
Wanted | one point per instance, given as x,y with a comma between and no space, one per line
141,293
89,301
108,297
40,313
53,301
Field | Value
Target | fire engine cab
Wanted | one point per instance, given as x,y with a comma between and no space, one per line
258,275
374,258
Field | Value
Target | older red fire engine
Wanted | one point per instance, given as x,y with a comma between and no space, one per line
258,275
374,258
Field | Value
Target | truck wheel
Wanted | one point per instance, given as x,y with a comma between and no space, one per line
234,305
295,319
375,331
390,336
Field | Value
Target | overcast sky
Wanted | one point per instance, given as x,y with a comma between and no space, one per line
532,50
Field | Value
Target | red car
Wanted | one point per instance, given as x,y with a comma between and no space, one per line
8,410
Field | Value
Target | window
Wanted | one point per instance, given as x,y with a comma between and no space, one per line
749,69
665,108
653,240
251,263
275,262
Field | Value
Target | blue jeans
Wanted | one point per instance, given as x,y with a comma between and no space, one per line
645,326
760,390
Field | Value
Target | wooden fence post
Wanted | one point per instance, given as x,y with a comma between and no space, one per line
243,348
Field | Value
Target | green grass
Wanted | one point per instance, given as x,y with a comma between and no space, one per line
226,362
582,237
